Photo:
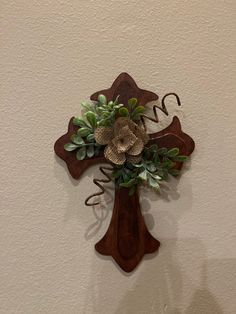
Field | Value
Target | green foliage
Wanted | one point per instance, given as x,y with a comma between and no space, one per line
102,113
102,100
83,132
137,113
135,110
90,151
132,103
81,153
156,166
83,141
92,118
70,147
107,112
90,138
123,112
79,122
77,139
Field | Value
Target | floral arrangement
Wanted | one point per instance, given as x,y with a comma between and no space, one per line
119,133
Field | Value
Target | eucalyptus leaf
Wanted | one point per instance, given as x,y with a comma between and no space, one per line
155,176
75,138
79,122
138,110
69,147
92,119
90,138
151,167
118,106
102,99
167,163
180,158
81,153
88,106
143,175
132,102
84,132
173,152
153,183
90,151
123,112
138,165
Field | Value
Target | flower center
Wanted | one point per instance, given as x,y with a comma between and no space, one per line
124,140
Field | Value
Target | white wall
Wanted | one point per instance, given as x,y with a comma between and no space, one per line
54,55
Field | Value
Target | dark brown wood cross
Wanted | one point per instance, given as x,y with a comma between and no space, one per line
127,238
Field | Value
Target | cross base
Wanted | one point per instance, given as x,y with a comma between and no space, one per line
127,238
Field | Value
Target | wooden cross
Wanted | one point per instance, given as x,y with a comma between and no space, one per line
127,238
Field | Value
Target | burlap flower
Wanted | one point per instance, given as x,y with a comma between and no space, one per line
125,141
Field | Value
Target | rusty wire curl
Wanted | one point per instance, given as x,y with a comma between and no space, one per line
97,182
156,107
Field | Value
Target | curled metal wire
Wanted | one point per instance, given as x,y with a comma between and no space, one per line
98,183
162,108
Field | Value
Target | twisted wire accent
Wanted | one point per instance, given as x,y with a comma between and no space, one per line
162,108
97,182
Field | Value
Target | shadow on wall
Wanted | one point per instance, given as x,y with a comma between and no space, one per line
160,289
160,286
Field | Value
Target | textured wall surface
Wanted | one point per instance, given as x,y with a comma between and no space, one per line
54,54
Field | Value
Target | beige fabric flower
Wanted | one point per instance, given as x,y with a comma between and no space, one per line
125,141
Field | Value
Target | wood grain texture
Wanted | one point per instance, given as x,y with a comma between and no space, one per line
127,238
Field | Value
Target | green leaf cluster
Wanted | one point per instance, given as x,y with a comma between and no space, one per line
83,142
156,166
107,111
84,145
102,113
135,110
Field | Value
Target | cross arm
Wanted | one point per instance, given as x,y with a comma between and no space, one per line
171,137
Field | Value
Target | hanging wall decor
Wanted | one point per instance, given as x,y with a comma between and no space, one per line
113,130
